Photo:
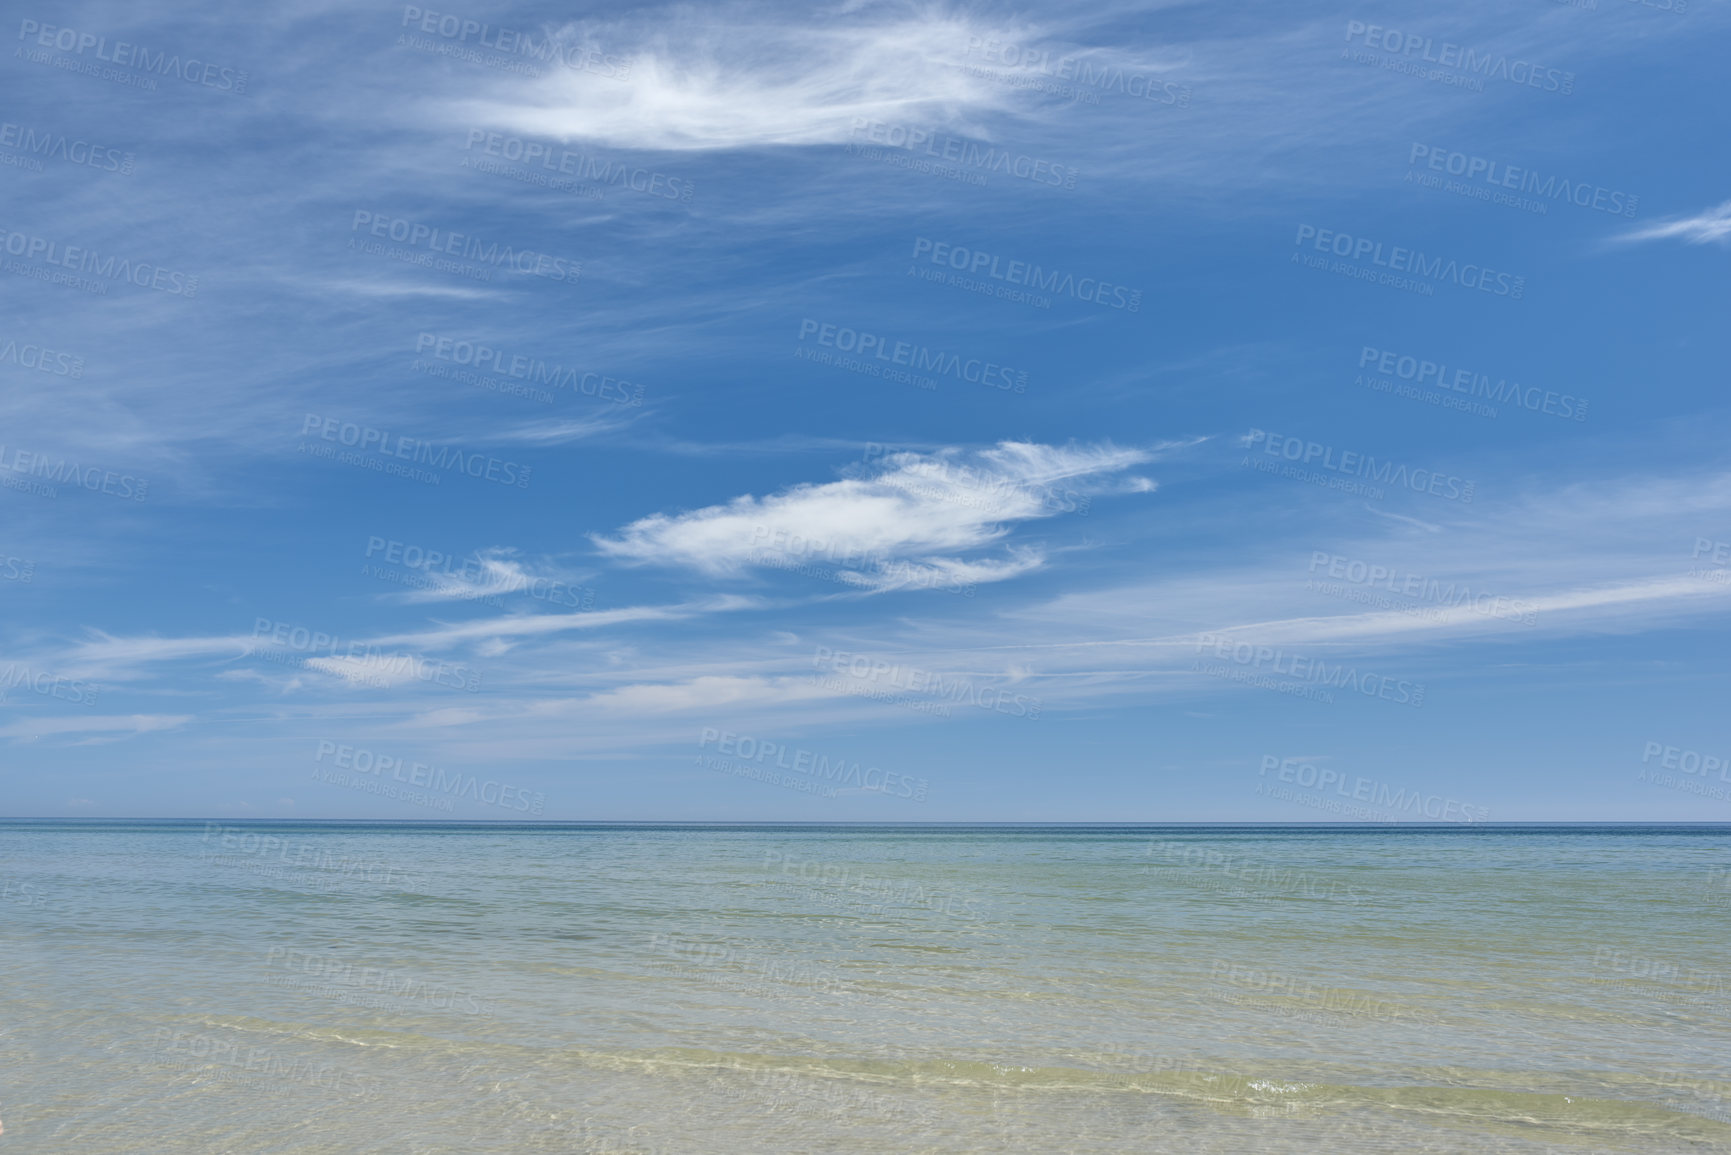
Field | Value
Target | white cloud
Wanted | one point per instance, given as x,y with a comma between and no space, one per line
548,432
731,79
1712,226
106,657
707,692
492,573
536,625
388,289
123,725
1388,626
385,671
901,521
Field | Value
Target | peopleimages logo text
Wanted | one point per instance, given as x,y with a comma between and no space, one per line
1395,580
971,153
1370,790
363,662
1507,176
145,275
576,164
749,748
390,445
1486,65
467,246
526,367
191,70
1278,661
1401,260
975,262
449,783
476,571
1363,465
915,356
49,685
42,359
1421,371
1688,761
955,688
511,42
91,477
59,146
1082,70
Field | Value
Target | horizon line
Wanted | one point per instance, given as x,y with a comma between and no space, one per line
561,822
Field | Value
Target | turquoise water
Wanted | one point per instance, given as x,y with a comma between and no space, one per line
330,987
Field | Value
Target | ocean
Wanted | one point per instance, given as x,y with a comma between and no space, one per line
400,987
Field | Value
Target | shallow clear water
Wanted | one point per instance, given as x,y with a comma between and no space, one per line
366,987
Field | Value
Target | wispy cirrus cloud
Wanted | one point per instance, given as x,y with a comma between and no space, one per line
543,433
108,728
906,519
707,692
1712,226
489,630
704,80
492,573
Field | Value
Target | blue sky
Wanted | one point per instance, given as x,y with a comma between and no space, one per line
865,412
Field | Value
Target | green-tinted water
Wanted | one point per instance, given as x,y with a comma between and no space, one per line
320,987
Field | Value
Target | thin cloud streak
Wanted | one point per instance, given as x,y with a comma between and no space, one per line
1712,226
